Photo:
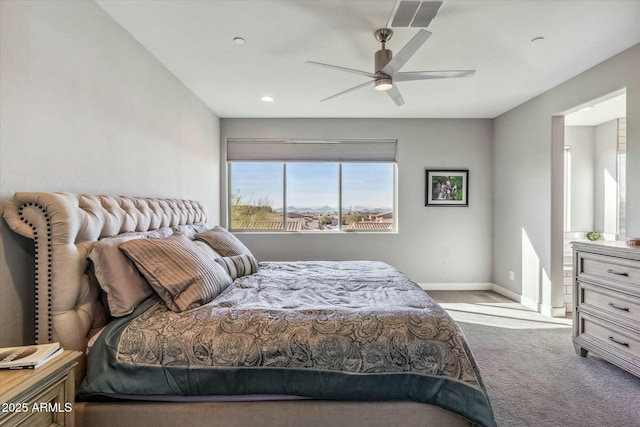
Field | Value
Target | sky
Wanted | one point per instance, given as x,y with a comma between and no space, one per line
313,185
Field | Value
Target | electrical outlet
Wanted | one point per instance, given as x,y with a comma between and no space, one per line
512,275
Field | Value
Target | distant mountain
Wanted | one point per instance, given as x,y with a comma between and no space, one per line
316,210
359,208
328,209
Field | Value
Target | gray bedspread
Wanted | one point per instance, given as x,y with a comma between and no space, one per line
356,330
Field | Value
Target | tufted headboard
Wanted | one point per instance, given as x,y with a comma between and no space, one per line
63,227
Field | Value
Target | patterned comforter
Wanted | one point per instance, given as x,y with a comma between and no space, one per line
355,330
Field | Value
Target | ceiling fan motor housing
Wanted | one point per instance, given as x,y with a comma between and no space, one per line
382,58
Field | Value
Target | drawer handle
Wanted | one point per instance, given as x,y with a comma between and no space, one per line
626,344
619,273
612,305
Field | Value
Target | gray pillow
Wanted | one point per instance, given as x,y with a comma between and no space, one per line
118,276
223,242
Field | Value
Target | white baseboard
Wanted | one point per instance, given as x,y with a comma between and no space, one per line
507,293
527,302
479,287
456,286
530,303
550,311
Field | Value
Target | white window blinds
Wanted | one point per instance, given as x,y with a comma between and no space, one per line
369,150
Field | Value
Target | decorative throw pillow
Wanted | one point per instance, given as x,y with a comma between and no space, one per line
117,275
238,265
178,270
223,242
208,250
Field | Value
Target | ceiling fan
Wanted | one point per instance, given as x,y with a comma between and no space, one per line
387,67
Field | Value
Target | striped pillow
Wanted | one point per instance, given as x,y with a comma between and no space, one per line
223,242
238,265
178,271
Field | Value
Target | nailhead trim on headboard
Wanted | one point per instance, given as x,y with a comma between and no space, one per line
63,227
37,257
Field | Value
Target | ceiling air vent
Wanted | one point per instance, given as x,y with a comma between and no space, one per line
414,13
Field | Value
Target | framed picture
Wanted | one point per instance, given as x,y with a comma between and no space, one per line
447,187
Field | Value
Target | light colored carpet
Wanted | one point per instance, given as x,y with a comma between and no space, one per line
531,371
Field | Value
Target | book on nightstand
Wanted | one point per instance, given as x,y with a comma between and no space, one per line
28,356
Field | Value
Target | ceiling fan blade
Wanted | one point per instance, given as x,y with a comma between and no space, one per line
428,75
349,70
406,53
394,94
347,91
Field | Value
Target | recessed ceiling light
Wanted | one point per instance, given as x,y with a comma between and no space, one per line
267,98
238,40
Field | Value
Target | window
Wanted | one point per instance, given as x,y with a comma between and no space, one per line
622,177
312,196
622,195
294,193
257,195
367,196
567,188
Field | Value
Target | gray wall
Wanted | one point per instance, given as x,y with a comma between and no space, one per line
605,175
86,109
594,164
433,244
528,178
580,138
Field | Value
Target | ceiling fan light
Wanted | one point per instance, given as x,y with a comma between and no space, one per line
383,84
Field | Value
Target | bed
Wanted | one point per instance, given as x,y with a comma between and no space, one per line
353,343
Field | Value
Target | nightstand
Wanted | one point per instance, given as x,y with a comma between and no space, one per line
44,396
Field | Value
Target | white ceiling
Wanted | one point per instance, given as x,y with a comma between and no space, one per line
194,40
599,112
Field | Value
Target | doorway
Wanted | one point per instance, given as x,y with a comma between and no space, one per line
594,177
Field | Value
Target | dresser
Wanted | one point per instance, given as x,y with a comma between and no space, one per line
606,298
44,396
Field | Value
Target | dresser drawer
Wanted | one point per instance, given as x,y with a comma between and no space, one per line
606,294
610,302
591,266
611,338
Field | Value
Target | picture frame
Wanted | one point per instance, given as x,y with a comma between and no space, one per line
446,187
